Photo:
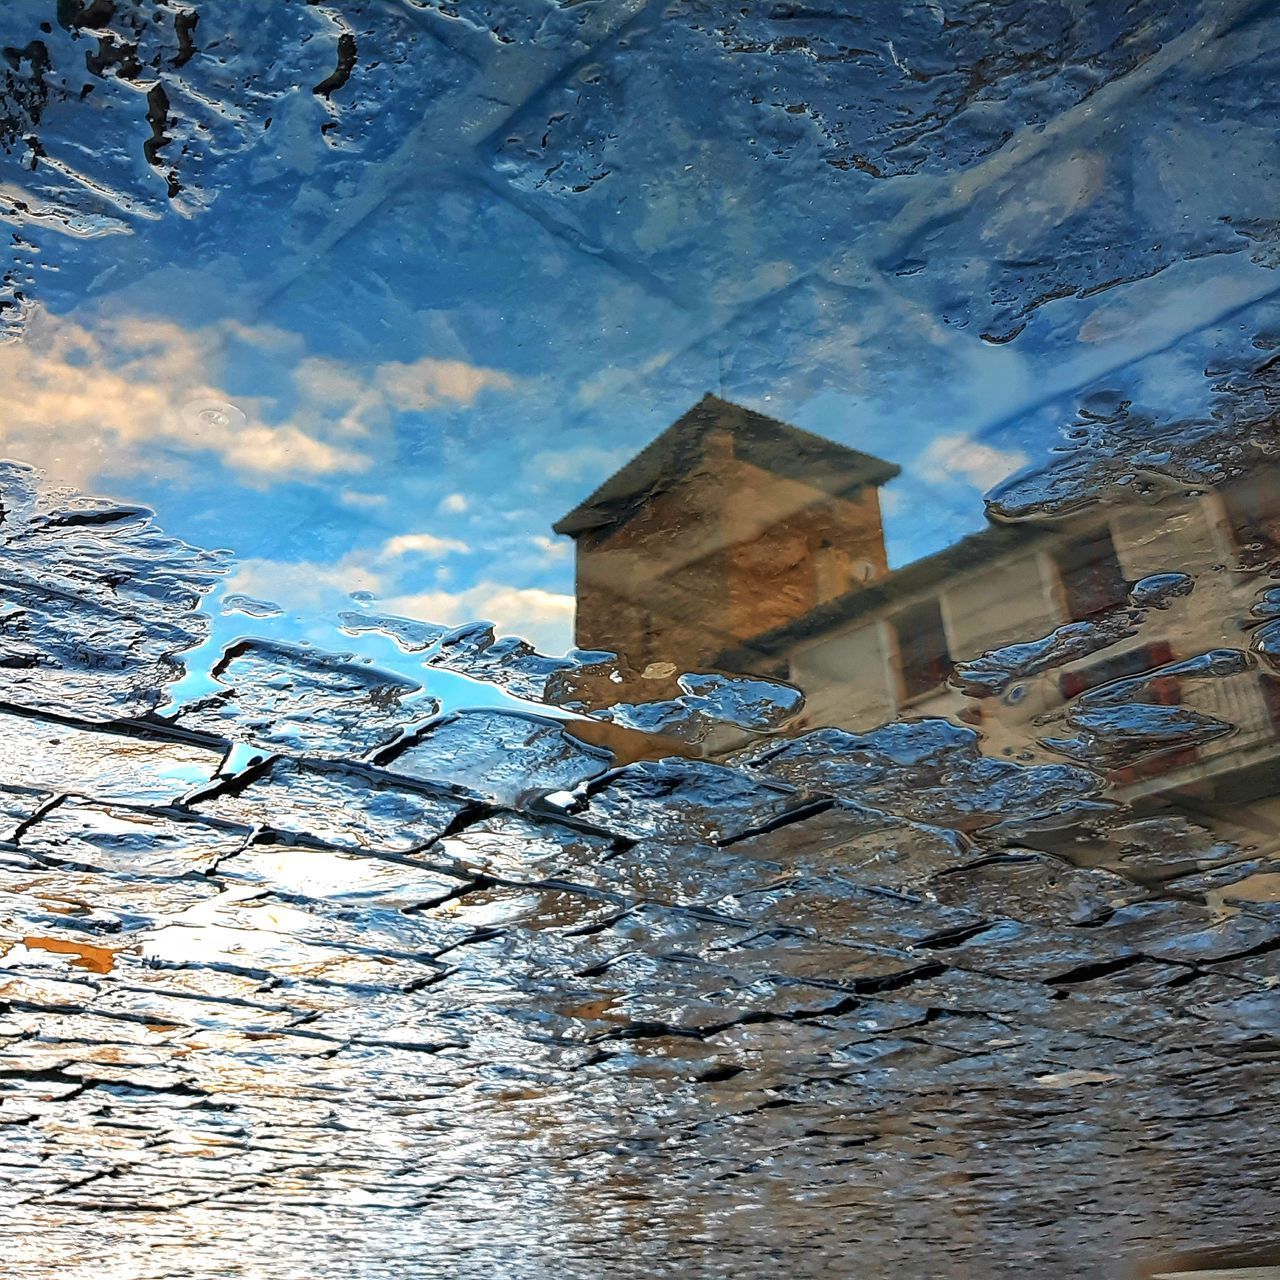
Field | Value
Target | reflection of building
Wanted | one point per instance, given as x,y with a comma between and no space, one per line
728,525
738,542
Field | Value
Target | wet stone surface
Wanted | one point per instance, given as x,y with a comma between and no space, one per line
321,703
469,998
876,890
99,603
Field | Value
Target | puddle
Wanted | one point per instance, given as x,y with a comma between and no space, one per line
639,640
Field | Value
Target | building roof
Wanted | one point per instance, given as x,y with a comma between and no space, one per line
763,441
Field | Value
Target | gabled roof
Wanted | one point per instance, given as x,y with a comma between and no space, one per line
765,442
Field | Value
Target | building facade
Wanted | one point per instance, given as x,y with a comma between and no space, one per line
741,544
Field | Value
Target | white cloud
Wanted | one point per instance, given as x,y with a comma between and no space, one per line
422,544
453,504
359,501
360,401
79,401
953,457
544,618
428,383
587,462
552,548
284,450
306,585
326,380
136,393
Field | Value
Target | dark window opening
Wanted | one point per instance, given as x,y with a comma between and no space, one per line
1164,691
924,660
1092,581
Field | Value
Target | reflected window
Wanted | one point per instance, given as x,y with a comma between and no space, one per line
1089,570
1166,690
924,660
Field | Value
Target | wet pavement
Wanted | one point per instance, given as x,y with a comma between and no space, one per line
639,639
497,1004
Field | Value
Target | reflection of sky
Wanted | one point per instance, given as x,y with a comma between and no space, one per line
384,358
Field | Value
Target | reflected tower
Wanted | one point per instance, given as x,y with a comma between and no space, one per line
728,525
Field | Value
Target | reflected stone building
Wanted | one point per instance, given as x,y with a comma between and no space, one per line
729,525
741,543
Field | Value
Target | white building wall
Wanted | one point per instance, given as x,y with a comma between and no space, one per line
1009,599
847,677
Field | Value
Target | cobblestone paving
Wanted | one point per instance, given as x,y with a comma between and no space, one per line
496,1006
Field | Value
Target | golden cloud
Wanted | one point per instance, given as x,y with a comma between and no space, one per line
139,394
